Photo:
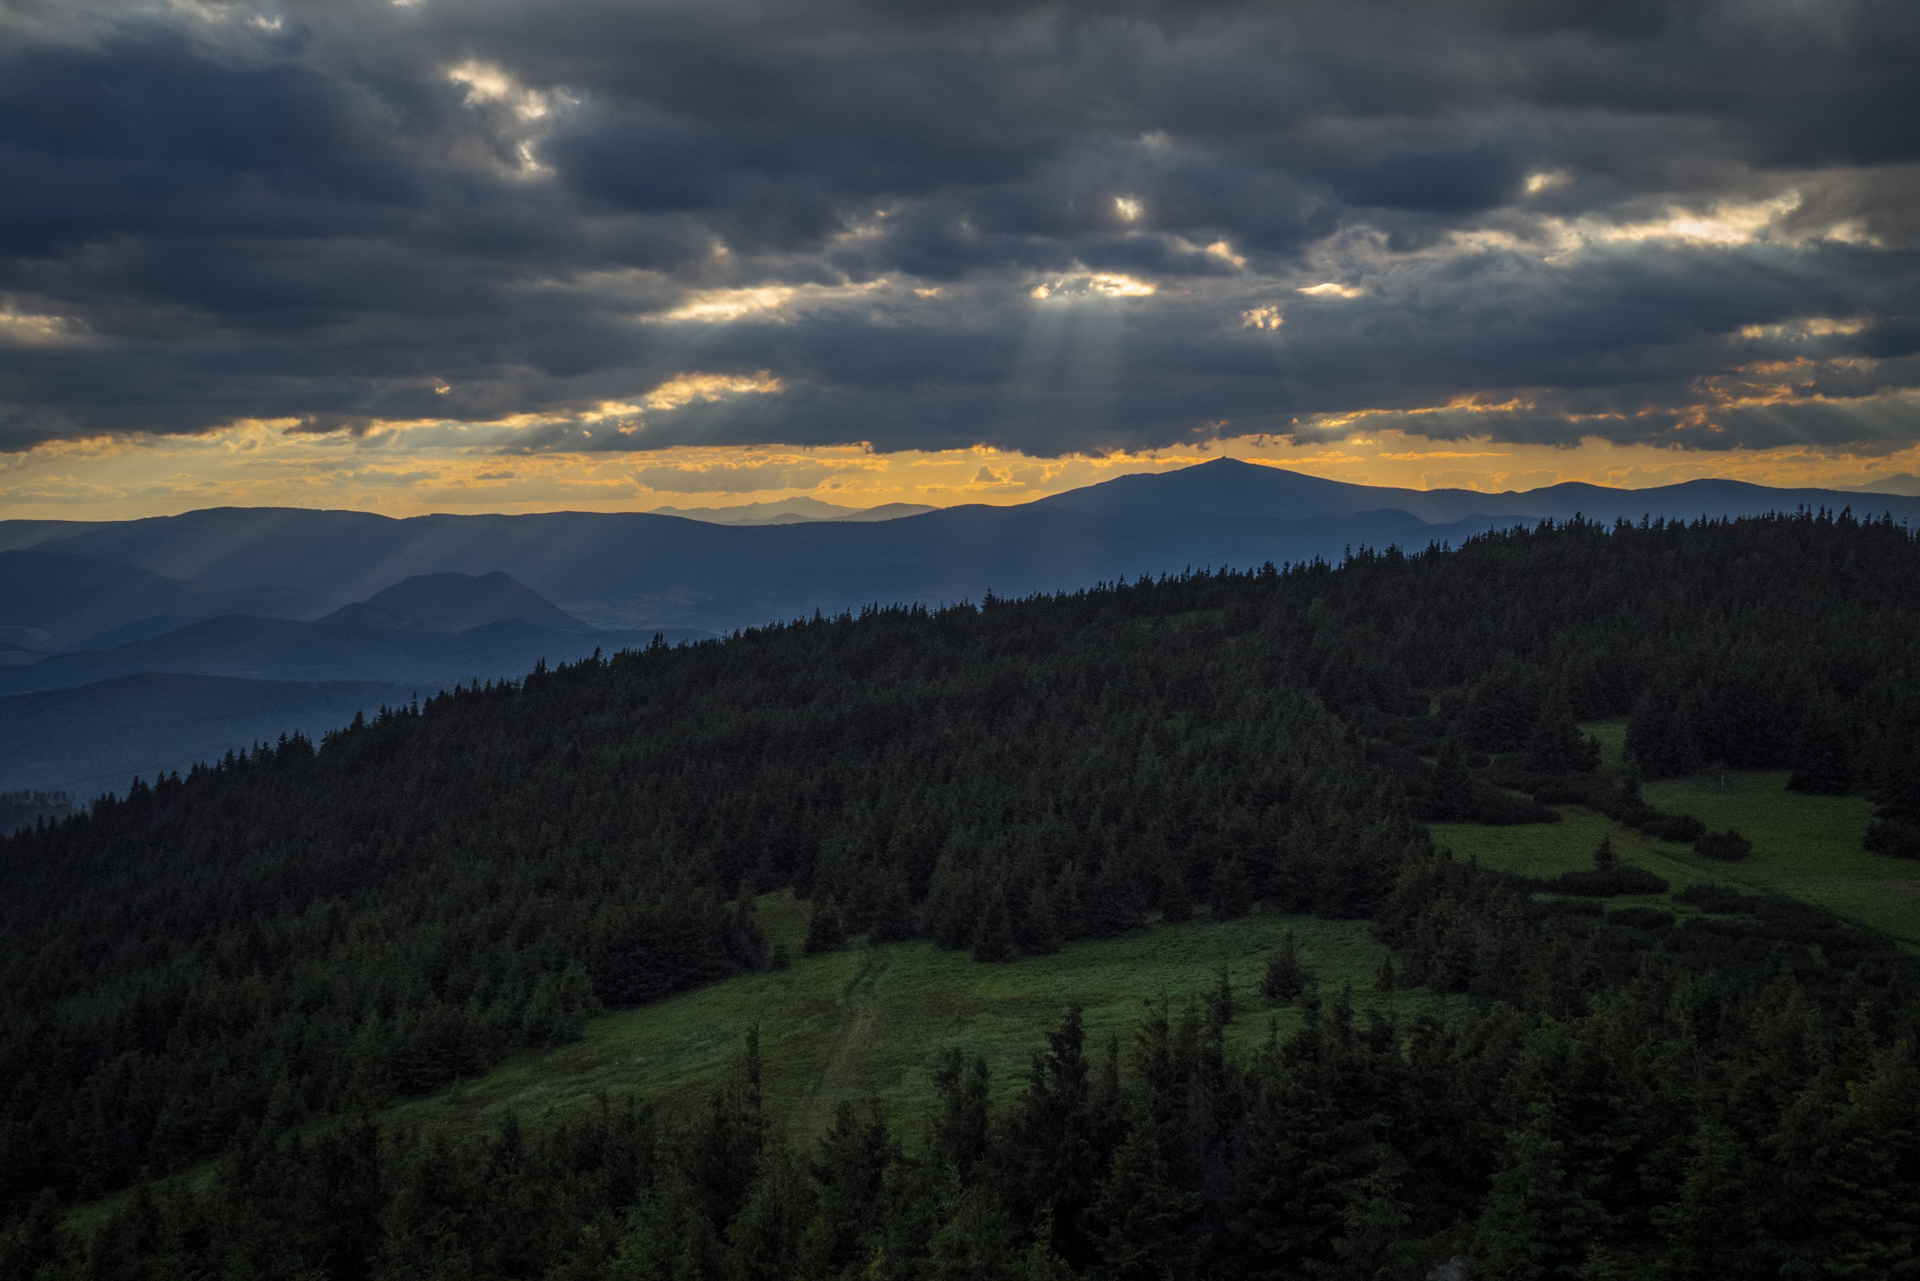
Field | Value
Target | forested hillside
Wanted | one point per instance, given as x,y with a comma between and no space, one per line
309,931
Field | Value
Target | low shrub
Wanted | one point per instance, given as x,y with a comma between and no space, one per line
1622,878
1498,808
1728,846
1894,837
1640,918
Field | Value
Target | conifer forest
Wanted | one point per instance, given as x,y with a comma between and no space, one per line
216,987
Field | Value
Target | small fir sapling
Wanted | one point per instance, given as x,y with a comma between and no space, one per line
1286,978
1220,1001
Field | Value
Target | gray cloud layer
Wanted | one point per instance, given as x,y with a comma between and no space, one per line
346,212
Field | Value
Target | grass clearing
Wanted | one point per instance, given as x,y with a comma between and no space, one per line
1807,847
871,1021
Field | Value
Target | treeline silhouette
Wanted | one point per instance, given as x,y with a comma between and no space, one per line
30,806
302,931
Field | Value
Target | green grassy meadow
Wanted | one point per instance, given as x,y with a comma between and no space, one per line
871,1021
1807,847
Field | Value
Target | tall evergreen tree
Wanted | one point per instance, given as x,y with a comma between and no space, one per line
993,939
824,930
1145,1216
1822,756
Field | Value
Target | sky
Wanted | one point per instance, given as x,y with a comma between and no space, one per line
497,255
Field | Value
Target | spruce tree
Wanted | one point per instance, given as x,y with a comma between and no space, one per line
1822,764
728,1144
1068,913
1604,858
824,930
1453,798
1176,900
892,912
1111,906
1143,1213
1661,732
1037,933
976,1242
1708,1234
765,1236
1231,890
1220,1001
1537,1220
1286,978
1555,746
993,940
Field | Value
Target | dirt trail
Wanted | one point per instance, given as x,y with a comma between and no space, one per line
843,1069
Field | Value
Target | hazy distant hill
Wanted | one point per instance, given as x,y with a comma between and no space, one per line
355,644
1905,484
457,602
88,721
51,599
16,534
97,737
1228,487
640,571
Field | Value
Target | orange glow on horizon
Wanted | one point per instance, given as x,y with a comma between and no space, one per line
405,472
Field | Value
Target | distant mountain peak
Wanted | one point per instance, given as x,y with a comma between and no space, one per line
1221,487
454,602
1904,484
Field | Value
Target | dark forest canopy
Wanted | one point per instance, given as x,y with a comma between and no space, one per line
302,931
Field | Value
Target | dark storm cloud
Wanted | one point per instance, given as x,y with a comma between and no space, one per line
342,214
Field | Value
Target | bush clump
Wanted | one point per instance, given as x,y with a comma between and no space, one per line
1728,846
1716,898
1640,918
1621,878
1567,792
1895,837
1573,907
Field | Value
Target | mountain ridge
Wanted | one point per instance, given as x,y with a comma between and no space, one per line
636,571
